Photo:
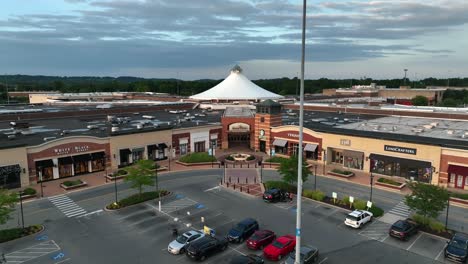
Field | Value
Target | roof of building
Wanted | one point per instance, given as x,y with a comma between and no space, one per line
238,112
38,131
268,102
236,87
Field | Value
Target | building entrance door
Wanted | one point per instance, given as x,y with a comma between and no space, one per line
459,182
263,146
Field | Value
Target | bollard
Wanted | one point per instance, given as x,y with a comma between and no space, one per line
248,189
229,178
246,180
234,186
241,188
227,183
241,165
248,165
255,180
237,179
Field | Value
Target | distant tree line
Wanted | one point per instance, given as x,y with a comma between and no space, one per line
284,86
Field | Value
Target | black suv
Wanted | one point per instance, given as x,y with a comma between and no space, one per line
403,229
457,248
202,248
242,230
274,195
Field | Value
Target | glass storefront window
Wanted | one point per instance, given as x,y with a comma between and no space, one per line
98,165
353,163
394,168
281,150
336,156
137,155
10,176
81,167
183,149
65,170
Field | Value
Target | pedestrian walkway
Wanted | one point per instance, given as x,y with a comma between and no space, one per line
67,206
177,205
401,209
33,252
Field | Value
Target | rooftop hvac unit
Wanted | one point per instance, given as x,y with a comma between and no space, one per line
434,124
139,126
450,132
49,138
148,117
11,137
428,126
417,130
115,129
110,118
92,126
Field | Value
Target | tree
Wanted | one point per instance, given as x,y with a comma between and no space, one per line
450,102
7,205
141,174
420,100
288,169
426,199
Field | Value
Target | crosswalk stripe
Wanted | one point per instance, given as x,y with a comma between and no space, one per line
67,206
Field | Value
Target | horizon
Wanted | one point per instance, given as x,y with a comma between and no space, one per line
191,41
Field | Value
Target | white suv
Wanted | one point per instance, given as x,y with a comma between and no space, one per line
358,218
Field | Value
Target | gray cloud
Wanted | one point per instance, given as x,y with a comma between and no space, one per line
165,33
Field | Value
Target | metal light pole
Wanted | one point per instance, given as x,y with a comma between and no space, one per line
446,216
40,179
115,189
315,178
301,128
170,154
21,206
371,184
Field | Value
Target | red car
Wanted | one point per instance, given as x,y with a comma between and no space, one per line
281,247
260,239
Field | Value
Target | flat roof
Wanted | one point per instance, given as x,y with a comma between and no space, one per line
34,132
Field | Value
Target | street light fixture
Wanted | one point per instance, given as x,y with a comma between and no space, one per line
315,177
371,184
21,206
40,180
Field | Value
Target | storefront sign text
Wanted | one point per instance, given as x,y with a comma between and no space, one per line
404,150
293,135
68,150
345,142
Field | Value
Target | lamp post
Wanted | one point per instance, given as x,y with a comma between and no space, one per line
170,154
115,189
21,206
40,180
446,216
156,181
315,178
371,184
324,161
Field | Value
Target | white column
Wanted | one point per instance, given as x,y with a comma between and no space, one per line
90,166
130,158
55,169
73,169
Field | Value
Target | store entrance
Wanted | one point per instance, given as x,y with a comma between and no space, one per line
239,139
263,146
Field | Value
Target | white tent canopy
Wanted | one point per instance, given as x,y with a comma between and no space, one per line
236,87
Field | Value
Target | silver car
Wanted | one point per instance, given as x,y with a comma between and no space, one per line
178,245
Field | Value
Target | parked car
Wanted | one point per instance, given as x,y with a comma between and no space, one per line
358,218
249,259
243,230
180,243
274,195
205,247
309,255
281,247
403,229
260,239
457,248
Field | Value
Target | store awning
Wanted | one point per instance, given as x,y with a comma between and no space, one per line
125,151
310,147
353,154
405,162
65,160
151,148
97,155
45,163
84,157
162,146
458,170
280,142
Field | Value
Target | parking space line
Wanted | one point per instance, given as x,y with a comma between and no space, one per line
323,260
438,255
414,242
385,238
133,214
63,261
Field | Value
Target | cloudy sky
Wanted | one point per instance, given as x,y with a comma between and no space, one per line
194,39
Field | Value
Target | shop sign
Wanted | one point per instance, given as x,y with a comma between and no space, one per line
293,135
404,150
68,150
239,127
345,142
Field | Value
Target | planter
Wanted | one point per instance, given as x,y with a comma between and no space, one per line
198,163
340,174
459,202
391,186
110,178
28,196
109,206
74,186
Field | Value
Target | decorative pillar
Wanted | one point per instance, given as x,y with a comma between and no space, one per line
90,166
55,169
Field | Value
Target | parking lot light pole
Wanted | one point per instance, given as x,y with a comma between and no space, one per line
21,206
371,184
297,258
315,177
446,216
115,189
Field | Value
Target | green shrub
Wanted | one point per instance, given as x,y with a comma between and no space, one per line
424,221
376,211
136,198
14,233
463,196
29,191
436,226
231,158
360,204
72,183
345,201
342,172
251,157
276,159
388,181
315,195
197,157
280,185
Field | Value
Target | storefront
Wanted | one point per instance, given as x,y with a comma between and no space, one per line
286,142
45,170
124,157
347,158
458,176
10,176
415,170
157,151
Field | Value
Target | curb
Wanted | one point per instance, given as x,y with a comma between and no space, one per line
115,210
